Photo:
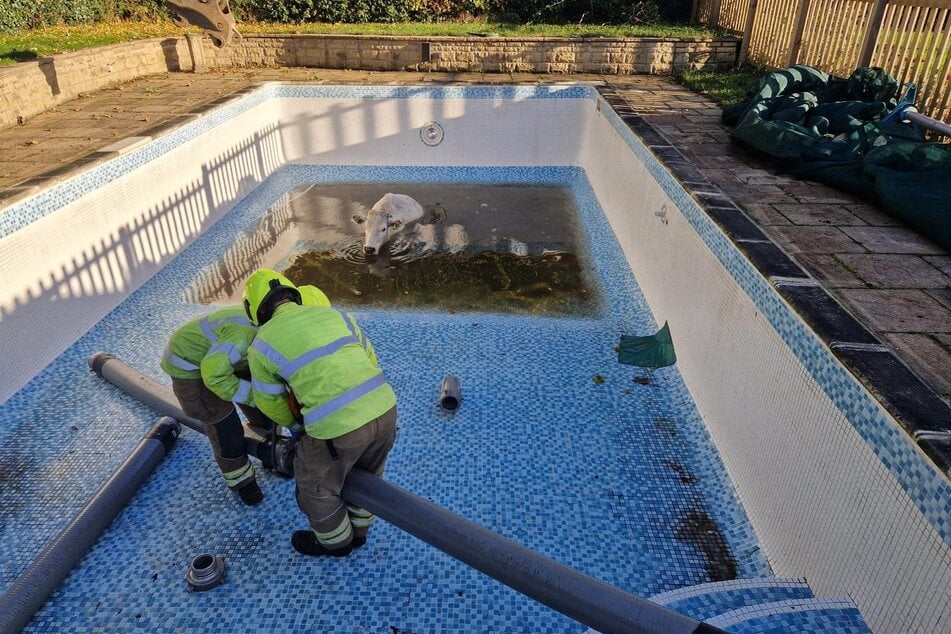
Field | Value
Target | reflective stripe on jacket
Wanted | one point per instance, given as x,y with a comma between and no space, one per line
213,348
322,355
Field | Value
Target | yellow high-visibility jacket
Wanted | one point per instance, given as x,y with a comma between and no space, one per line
213,348
321,355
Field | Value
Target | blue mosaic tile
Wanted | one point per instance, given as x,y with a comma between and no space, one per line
538,452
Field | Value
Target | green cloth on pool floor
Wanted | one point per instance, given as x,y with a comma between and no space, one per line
652,351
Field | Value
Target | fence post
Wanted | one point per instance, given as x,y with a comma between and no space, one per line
799,26
695,12
747,34
871,33
714,20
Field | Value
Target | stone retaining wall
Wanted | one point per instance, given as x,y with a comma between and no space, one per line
479,54
28,88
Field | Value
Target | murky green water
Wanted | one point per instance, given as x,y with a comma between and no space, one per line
490,248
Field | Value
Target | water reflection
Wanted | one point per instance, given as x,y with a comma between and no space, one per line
498,248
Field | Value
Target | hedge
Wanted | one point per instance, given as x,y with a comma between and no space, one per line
29,14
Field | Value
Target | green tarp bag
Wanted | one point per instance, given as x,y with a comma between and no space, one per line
836,132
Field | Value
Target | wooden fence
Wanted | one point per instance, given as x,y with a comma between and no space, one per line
911,39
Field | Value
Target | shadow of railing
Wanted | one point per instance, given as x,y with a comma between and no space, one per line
67,297
64,300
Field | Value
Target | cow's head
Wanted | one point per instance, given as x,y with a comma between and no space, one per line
378,226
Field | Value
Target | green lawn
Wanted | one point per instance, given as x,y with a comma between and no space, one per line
724,87
26,45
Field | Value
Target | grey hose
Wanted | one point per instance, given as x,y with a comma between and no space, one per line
33,587
277,453
585,599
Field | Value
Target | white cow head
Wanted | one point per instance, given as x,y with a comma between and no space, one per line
378,226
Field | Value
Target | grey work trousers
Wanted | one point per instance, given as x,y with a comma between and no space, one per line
320,478
223,429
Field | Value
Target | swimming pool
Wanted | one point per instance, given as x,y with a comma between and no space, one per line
539,452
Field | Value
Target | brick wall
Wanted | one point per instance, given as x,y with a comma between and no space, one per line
29,88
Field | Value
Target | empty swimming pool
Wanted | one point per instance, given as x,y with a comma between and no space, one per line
620,472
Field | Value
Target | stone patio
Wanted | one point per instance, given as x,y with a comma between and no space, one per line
895,282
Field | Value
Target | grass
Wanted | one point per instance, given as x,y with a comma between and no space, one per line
724,87
26,45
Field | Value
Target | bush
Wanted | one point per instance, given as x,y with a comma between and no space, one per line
298,11
580,11
24,14
32,14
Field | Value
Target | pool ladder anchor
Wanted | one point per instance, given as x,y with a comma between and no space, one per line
662,214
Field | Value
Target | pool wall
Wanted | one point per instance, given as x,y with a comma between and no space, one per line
70,254
836,491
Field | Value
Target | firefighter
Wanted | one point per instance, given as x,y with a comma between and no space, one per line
207,360
319,356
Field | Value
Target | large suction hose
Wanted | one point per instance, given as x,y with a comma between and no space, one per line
576,595
162,400
588,600
31,589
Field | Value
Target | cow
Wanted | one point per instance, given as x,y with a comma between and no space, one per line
391,216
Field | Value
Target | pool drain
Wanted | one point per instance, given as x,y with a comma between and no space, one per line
206,572
431,134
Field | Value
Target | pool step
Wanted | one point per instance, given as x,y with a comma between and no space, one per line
830,616
768,605
707,600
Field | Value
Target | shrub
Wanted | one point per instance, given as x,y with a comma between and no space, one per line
326,10
32,14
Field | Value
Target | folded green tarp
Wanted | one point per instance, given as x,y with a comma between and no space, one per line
652,351
835,131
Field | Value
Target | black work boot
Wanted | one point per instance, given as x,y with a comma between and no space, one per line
250,492
305,542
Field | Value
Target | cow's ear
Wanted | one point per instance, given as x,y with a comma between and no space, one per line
357,218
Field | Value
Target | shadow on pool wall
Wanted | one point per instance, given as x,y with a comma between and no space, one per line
63,271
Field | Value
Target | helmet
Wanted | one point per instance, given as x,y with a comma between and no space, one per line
313,296
261,290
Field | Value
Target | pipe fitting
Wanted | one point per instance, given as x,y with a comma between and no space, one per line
205,572
97,360
451,394
166,431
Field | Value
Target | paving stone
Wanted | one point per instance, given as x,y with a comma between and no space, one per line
898,310
893,240
761,194
798,239
818,193
873,215
765,214
941,262
828,270
928,358
943,295
818,214
895,270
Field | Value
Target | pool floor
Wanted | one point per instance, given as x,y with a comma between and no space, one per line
613,477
